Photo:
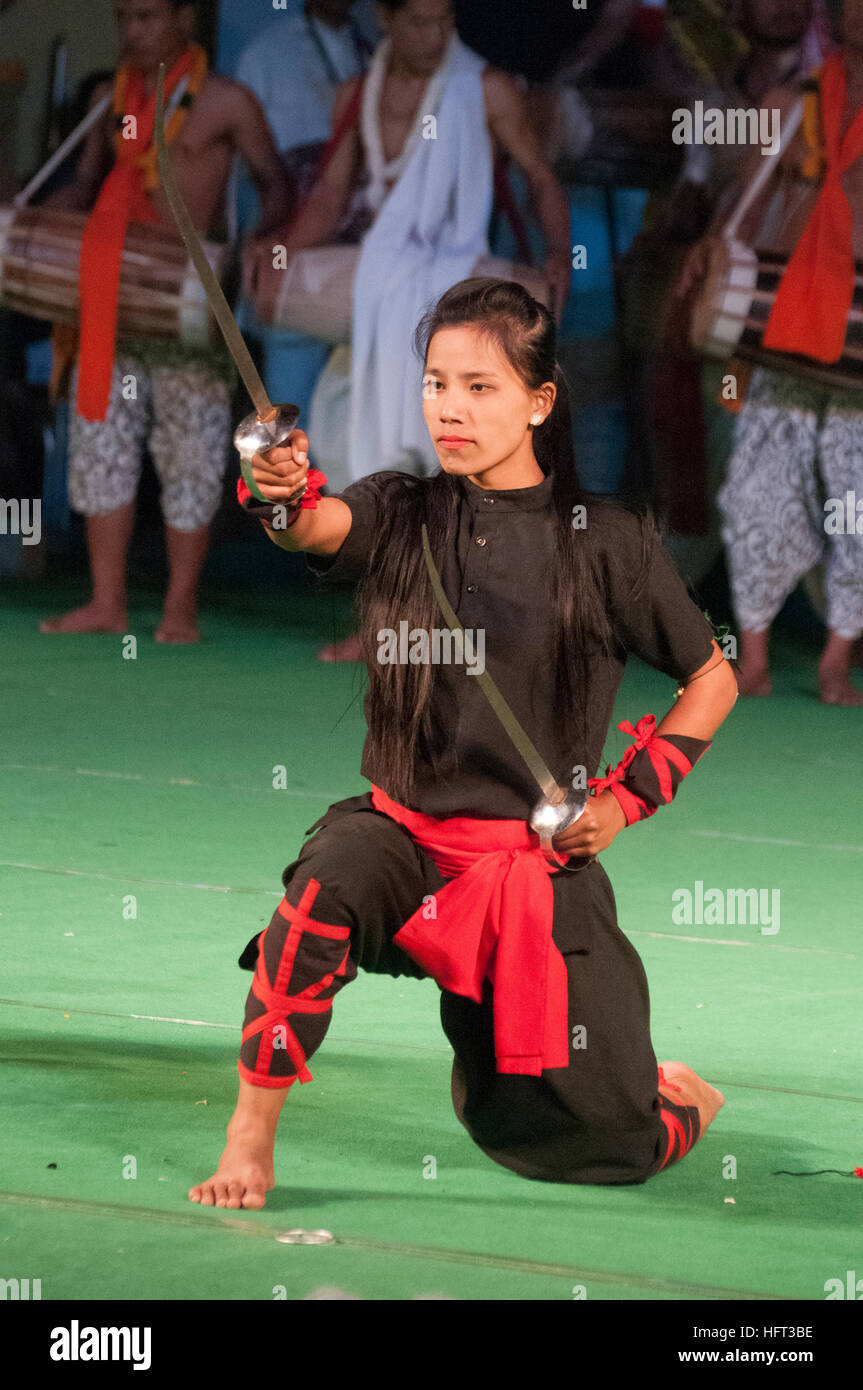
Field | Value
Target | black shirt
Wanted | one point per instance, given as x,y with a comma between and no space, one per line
497,578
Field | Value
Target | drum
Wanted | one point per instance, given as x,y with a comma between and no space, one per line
734,304
160,294
313,294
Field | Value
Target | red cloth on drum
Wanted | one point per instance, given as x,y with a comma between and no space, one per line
810,313
123,199
493,922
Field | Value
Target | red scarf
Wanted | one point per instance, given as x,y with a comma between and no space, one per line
493,922
810,315
123,199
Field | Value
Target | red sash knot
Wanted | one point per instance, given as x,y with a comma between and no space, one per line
492,921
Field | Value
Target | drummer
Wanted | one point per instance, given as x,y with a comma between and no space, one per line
384,150
799,443
128,394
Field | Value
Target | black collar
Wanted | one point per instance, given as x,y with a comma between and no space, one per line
516,499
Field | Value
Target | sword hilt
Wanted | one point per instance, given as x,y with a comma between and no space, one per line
258,433
548,818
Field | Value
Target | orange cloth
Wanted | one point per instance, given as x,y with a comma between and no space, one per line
810,314
123,199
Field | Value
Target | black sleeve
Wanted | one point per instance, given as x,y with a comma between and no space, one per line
653,616
349,562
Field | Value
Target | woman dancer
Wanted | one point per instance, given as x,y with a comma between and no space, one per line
435,872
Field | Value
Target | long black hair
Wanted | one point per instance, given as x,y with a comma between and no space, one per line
396,586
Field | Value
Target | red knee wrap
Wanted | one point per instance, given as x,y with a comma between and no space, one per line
279,1005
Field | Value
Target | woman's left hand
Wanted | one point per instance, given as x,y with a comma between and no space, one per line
601,820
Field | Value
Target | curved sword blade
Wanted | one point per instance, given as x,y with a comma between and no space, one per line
218,303
551,789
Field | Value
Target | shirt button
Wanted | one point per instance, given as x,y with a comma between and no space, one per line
480,540
471,588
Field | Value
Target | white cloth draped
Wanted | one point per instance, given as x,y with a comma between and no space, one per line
429,234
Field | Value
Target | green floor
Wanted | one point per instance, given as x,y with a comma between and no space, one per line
146,784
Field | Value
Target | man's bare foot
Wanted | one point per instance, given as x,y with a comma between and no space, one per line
243,1178
90,618
683,1086
178,626
753,680
348,650
836,688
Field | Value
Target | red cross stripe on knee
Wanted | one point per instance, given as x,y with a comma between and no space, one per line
279,1005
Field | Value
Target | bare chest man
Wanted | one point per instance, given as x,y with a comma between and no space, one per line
401,99
401,107
200,153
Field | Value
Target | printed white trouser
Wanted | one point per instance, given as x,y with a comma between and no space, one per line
182,413
796,444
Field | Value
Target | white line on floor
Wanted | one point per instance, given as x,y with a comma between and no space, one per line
270,893
720,941
133,878
390,1045
230,1027
328,797
309,795
768,840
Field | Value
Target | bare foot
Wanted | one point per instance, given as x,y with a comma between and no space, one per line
753,680
348,650
243,1178
90,618
178,627
682,1085
836,687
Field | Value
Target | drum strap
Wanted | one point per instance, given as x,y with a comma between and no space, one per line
814,298
123,199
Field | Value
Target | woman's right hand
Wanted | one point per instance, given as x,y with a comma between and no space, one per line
280,472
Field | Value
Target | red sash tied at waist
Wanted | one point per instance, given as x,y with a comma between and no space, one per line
493,922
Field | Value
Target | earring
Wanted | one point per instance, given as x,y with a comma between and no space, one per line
536,419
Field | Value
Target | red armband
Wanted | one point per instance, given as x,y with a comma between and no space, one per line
650,770
266,511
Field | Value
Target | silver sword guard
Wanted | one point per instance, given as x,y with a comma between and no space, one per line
255,435
548,819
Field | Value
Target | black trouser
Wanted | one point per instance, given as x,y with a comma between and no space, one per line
356,882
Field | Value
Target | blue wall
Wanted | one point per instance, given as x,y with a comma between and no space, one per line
239,21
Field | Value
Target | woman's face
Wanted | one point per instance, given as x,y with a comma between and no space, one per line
477,409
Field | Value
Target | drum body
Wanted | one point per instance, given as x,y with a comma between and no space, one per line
314,293
160,294
735,302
